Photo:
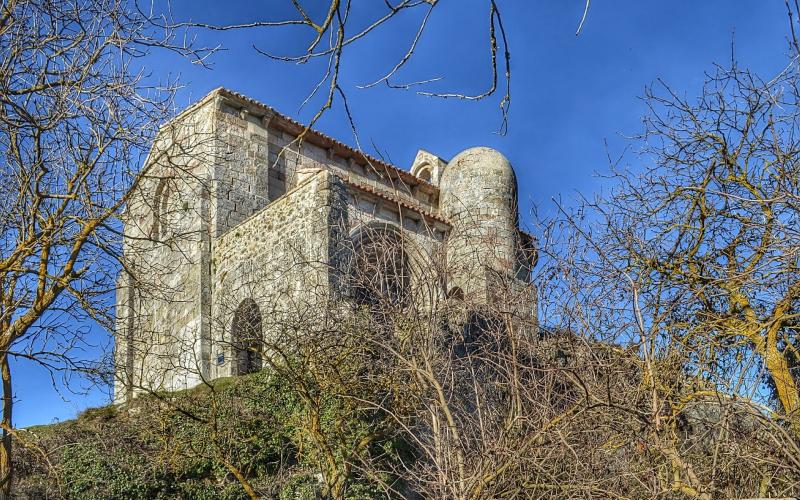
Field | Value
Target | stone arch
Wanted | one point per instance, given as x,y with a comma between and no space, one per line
425,172
161,199
246,338
379,270
456,294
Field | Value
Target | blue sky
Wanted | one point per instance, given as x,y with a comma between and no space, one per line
569,94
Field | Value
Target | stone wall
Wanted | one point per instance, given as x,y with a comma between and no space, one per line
278,258
244,177
479,198
422,236
261,146
159,303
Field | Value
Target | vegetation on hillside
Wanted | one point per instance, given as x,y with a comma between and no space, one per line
252,433
581,430
670,370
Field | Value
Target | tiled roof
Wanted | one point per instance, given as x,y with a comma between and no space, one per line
394,199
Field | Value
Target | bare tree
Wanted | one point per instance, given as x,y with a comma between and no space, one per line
690,266
668,311
721,219
375,350
335,26
76,120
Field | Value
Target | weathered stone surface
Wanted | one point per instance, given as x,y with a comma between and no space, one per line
479,198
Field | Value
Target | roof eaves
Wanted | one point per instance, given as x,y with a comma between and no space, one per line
417,208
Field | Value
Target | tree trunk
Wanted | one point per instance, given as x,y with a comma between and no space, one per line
5,449
785,385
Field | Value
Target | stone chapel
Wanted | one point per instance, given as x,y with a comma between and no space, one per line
244,215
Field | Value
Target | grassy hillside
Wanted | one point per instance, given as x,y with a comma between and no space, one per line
566,420
249,435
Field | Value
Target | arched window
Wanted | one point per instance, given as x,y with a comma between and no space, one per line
425,173
456,294
246,338
160,208
379,274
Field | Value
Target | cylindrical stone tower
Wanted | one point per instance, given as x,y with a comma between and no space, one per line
478,194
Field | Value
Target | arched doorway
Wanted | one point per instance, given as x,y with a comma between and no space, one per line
246,337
